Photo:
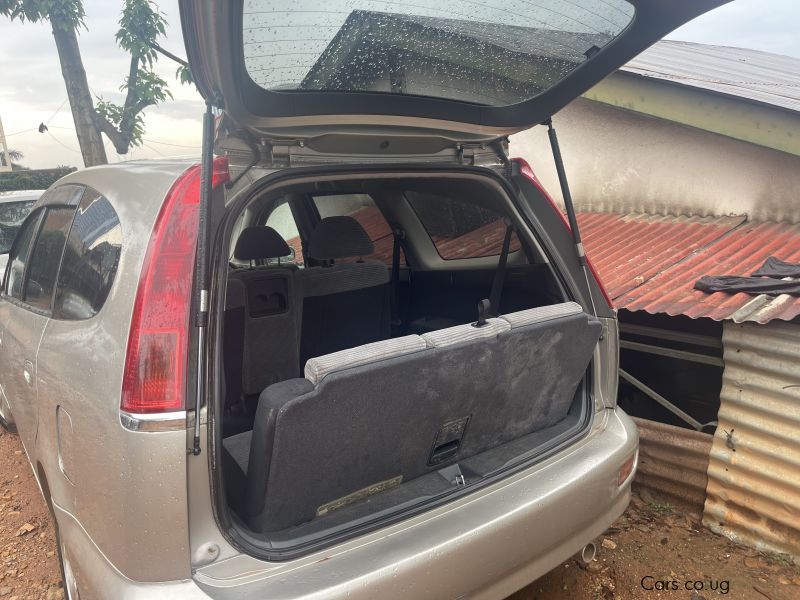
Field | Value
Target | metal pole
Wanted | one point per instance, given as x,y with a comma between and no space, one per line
661,400
4,150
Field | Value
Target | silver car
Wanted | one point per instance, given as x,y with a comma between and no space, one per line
360,353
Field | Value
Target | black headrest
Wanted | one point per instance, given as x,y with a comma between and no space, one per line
339,237
256,243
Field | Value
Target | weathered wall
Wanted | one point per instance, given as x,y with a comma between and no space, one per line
673,461
754,469
622,161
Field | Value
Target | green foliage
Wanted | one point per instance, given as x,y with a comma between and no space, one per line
184,75
114,114
141,25
62,14
149,88
32,179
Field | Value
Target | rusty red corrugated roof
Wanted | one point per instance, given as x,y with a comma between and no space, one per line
651,263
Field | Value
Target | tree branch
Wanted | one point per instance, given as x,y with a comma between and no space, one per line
121,142
168,54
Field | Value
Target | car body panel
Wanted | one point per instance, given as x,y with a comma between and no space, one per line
485,545
491,558
21,331
127,489
212,31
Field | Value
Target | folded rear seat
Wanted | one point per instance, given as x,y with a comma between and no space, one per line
368,418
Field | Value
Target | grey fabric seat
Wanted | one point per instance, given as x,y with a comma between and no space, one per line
345,303
371,417
262,316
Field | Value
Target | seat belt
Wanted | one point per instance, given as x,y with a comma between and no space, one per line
500,273
399,235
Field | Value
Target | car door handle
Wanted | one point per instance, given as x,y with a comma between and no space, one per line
26,372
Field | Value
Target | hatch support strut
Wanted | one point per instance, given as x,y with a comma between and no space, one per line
201,267
573,220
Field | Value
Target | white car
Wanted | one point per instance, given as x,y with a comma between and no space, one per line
14,207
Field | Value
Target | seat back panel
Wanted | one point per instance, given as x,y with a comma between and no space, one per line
372,423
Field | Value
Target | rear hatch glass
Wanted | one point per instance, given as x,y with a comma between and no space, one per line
494,53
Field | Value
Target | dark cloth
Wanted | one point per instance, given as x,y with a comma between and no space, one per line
767,279
750,285
777,268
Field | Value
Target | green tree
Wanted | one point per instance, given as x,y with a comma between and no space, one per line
13,155
141,26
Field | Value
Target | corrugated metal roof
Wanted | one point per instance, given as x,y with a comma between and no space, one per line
770,79
651,263
754,469
629,250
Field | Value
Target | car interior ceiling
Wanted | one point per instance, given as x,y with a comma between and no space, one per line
362,315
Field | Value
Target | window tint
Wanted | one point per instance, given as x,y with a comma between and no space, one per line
282,221
90,260
362,209
46,256
459,229
12,214
495,52
19,255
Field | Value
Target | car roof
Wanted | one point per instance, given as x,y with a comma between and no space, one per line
20,196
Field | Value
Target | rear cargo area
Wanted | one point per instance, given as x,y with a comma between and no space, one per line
387,343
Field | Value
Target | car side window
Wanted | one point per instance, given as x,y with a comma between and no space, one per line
90,261
282,221
46,256
460,229
20,252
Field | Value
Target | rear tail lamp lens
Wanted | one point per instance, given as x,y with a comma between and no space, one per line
154,379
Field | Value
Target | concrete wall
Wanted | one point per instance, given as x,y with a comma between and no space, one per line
623,161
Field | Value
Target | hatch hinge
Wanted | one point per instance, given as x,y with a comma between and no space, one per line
466,154
279,152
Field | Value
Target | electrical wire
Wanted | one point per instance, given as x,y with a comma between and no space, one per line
62,143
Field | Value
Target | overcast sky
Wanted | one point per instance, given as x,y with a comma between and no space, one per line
32,89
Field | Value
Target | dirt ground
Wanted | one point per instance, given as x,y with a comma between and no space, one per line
659,549
28,563
654,541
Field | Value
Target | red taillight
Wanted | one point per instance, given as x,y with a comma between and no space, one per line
527,173
154,380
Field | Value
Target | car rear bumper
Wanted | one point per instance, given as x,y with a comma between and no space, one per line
486,545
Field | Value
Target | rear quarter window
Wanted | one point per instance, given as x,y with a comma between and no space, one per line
91,258
458,229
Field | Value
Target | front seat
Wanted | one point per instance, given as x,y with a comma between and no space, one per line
346,300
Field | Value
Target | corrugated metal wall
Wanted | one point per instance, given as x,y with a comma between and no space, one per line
753,493
673,461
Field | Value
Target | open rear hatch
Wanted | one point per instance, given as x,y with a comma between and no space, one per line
375,431
475,70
